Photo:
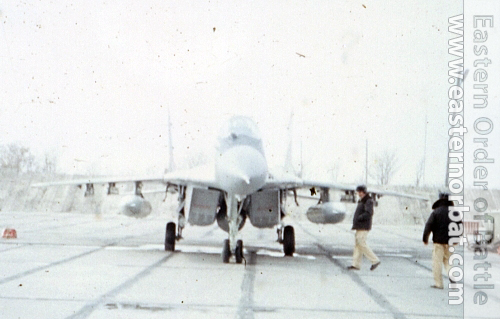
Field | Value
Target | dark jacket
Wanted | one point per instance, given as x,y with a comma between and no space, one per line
438,222
362,219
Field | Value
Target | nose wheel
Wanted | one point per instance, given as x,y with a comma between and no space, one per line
238,252
226,251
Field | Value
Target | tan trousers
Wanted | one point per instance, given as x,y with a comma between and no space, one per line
361,248
440,256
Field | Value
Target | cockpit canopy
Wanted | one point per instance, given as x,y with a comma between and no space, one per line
239,130
238,126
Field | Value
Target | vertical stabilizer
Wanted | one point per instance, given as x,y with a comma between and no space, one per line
171,164
288,157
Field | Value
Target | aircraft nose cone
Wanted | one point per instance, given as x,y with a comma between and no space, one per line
241,170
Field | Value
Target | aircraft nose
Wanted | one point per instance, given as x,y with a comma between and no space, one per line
241,170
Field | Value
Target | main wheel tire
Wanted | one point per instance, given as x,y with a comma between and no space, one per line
226,252
170,237
288,241
239,252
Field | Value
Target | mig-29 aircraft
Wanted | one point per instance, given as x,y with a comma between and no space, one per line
239,186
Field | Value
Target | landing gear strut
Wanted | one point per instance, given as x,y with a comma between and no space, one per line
279,231
181,223
232,216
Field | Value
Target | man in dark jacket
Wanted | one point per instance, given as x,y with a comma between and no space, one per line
362,223
437,224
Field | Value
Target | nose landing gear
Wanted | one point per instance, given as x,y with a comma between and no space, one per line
238,252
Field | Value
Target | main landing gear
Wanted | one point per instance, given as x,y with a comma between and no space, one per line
170,232
286,236
170,237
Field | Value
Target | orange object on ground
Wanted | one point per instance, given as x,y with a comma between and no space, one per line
9,233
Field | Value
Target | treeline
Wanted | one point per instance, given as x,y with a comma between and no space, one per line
17,160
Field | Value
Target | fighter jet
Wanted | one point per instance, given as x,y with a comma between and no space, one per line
238,187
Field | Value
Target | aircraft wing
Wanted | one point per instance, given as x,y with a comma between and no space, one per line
100,180
352,188
202,176
285,180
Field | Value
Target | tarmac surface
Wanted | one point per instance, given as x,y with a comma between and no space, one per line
72,265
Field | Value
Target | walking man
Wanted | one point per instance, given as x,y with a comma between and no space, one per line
437,224
362,223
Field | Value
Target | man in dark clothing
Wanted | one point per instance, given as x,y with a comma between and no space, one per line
437,224
362,223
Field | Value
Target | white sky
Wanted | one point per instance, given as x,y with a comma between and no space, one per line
92,81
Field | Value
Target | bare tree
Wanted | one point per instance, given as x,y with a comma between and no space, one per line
16,159
420,172
384,167
49,165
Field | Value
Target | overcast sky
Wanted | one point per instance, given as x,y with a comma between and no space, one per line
92,81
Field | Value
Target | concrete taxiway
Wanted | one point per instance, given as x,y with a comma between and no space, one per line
70,265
